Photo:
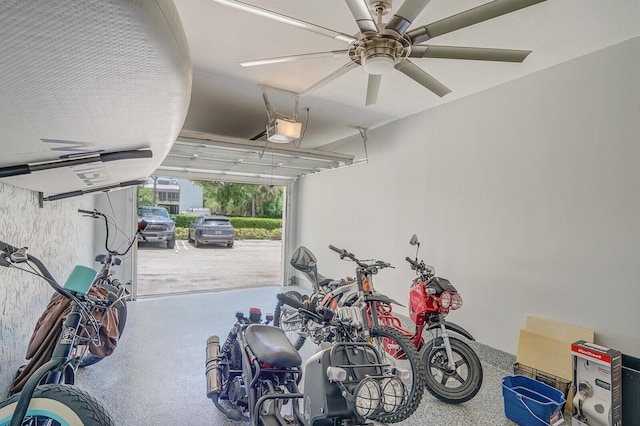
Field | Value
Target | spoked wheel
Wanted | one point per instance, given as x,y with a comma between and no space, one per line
452,385
58,405
397,351
289,320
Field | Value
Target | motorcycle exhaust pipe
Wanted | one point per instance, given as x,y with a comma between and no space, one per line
214,381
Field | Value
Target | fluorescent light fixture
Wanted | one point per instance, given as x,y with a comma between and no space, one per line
283,131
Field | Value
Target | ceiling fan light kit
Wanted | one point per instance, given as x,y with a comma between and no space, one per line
380,48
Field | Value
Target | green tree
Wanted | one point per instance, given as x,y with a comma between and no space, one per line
242,199
144,196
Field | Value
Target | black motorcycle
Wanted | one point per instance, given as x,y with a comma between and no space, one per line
256,374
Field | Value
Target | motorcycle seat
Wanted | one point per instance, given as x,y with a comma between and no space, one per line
271,346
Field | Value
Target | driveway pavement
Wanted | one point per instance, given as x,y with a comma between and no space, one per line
187,269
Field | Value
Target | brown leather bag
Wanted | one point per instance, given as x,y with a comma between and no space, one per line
48,329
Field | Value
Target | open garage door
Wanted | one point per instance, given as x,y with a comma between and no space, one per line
198,157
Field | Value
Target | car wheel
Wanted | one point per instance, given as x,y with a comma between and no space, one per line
189,236
171,243
230,244
195,241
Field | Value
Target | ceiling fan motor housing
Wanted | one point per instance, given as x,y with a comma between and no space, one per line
379,54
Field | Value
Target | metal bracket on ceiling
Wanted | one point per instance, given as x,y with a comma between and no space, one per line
363,135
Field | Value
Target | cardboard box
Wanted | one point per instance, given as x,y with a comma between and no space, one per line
597,382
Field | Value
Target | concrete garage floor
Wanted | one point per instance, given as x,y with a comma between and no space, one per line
188,269
157,373
156,376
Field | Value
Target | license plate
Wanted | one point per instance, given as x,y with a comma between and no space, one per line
218,232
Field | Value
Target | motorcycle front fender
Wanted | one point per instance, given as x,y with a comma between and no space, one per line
453,327
379,297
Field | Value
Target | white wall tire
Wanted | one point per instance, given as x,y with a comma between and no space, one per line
66,405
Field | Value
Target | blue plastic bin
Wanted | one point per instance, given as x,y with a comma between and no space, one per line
529,402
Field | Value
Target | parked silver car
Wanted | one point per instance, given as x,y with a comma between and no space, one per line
160,226
211,230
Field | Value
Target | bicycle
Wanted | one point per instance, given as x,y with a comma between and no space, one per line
48,396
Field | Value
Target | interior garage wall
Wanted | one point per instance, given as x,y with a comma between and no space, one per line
526,196
58,236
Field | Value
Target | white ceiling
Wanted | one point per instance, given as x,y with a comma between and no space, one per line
227,98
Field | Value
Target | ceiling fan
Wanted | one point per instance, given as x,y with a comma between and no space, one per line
380,48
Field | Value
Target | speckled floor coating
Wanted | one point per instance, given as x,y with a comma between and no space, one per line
156,376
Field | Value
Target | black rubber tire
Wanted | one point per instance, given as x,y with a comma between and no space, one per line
171,243
90,359
291,331
467,377
69,403
415,383
189,236
195,241
230,245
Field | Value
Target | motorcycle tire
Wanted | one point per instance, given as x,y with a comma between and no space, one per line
294,321
90,359
408,358
57,405
452,386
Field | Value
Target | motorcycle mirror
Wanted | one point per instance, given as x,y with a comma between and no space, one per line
414,240
142,225
304,260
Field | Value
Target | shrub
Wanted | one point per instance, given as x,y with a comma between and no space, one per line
258,234
184,220
182,233
255,222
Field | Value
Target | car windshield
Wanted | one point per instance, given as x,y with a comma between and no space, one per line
216,221
153,212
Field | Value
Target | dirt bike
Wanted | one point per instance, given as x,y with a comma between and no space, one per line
454,371
349,304
256,373
48,396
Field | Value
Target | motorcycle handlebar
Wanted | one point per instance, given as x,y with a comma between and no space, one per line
411,261
337,250
91,212
288,300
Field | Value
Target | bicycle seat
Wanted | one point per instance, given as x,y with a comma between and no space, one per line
271,346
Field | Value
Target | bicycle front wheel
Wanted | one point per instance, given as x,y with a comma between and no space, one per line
58,405
398,352
290,320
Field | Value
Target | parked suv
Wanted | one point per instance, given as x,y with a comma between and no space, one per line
211,230
160,226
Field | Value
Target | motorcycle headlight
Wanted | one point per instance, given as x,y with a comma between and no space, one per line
393,394
456,301
367,398
445,300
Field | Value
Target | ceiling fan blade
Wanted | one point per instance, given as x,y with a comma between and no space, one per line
287,20
337,73
290,58
361,12
467,18
373,87
413,71
470,53
405,15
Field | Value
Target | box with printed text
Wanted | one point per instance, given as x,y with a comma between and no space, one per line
597,381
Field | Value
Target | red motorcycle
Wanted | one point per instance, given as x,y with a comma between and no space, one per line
454,372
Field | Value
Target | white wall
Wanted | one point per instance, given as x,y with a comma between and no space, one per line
57,235
525,196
